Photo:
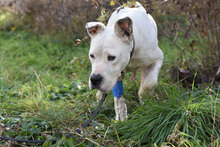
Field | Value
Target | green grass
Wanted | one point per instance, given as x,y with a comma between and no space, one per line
179,114
44,94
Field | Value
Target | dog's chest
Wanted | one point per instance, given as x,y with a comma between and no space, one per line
134,64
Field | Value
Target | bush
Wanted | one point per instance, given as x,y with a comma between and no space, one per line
67,17
197,23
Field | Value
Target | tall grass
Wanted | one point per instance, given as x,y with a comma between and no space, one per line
181,117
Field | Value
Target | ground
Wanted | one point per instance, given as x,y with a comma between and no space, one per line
44,94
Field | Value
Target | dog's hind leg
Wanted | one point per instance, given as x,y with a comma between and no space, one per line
133,76
149,78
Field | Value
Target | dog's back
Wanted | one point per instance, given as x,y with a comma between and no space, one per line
145,34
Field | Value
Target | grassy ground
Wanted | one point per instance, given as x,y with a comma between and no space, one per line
44,94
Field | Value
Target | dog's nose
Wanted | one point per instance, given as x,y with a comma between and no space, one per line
96,79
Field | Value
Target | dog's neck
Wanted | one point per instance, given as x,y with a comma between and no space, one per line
132,51
131,55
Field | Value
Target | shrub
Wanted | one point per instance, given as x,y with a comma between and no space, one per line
55,16
197,23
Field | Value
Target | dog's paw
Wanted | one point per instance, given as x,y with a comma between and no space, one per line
141,101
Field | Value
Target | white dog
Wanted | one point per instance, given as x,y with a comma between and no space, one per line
127,43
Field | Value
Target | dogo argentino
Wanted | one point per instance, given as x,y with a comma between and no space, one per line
127,43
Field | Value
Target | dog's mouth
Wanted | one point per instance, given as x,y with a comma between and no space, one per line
99,88
95,87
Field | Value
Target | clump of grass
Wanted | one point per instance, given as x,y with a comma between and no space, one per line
193,113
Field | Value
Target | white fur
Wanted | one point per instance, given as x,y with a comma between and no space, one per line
147,55
120,108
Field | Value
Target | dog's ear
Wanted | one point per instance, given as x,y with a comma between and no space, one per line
93,28
124,29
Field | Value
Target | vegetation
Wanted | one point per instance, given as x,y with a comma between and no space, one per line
44,91
44,95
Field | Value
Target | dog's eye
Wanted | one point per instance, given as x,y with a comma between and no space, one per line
111,58
92,56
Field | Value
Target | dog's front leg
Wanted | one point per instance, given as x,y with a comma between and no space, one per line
119,102
120,108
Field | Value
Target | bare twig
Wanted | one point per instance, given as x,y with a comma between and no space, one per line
116,132
106,132
86,138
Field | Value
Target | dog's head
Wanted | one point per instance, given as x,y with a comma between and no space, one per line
109,52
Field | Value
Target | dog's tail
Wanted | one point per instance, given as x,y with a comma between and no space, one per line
138,5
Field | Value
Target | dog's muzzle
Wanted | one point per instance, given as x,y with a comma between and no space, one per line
96,80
